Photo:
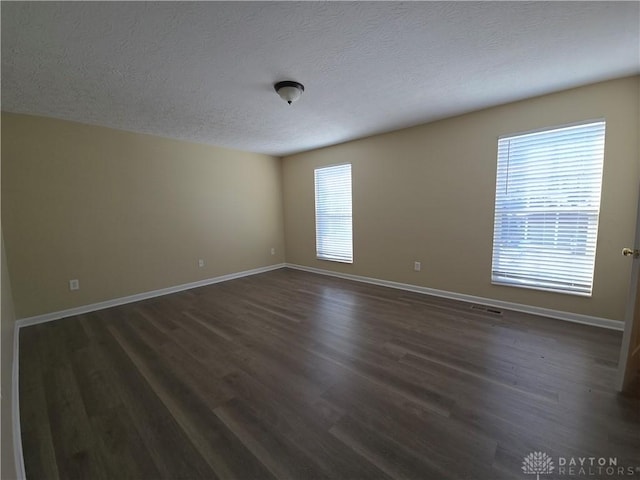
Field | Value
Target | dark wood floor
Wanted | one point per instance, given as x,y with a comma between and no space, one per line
292,375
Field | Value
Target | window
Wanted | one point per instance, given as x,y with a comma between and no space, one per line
547,206
333,214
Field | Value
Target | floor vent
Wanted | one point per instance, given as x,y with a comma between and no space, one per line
485,308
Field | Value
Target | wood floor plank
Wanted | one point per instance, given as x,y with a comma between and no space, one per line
281,456
72,435
121,447
34,416
306,425
226,457
96,388
33,408
170,448
385,453
433,435
293,375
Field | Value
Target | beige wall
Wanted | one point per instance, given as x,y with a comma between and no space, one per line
427,193
8,470
127,213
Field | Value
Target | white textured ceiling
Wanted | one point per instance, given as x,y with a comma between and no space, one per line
205,71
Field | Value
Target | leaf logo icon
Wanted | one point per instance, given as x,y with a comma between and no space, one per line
537,463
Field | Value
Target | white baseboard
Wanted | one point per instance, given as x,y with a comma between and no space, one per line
543,312
15,408
47,317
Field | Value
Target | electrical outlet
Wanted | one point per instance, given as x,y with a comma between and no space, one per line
417,266
273,251
74,284
201,263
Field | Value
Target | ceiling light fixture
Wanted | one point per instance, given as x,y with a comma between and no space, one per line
289,91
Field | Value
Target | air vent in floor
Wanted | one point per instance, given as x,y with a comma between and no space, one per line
486,308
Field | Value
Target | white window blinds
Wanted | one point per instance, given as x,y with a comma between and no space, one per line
333,213
547,206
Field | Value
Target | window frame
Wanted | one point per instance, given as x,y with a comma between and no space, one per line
344,255
587,146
